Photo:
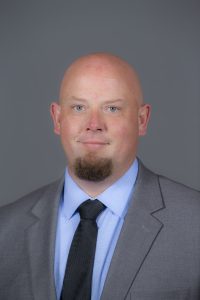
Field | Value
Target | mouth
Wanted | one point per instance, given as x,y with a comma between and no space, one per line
93,144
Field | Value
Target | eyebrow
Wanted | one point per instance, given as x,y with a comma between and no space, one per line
106,102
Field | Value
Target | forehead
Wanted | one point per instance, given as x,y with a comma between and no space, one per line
102,78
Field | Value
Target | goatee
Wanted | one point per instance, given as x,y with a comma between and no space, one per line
93,169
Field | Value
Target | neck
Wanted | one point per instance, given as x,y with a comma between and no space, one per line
93,188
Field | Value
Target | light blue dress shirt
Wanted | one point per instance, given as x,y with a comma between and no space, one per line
116,198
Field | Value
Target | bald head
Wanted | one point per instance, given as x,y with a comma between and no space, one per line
103,64
100,118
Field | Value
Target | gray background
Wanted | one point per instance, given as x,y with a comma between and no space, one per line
38,39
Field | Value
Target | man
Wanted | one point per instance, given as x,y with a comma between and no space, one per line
144,243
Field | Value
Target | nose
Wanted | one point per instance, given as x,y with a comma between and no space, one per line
95,122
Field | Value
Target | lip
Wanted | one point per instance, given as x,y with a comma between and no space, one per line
93,142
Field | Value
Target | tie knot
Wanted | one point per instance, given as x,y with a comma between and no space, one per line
90,209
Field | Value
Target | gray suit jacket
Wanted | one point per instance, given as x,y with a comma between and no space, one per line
157,256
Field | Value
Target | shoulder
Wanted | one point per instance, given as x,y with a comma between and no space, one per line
173,193
178,192
25,203
179,198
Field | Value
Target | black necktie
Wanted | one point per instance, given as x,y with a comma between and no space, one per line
78,274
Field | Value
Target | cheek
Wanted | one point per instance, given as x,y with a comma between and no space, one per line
68,128
66,134
125,139
126,131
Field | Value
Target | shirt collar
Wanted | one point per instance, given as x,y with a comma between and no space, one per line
116,197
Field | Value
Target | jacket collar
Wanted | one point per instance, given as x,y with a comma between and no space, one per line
140,230
41,242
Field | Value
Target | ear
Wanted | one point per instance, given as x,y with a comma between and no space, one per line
55,111
143,118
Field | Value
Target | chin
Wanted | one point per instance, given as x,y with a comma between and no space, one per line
93,168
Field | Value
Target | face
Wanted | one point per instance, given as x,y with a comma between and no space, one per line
99,119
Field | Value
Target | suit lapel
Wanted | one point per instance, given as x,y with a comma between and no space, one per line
41,243
137,236
139,231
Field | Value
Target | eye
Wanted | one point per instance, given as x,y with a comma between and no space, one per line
113,109
78,107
